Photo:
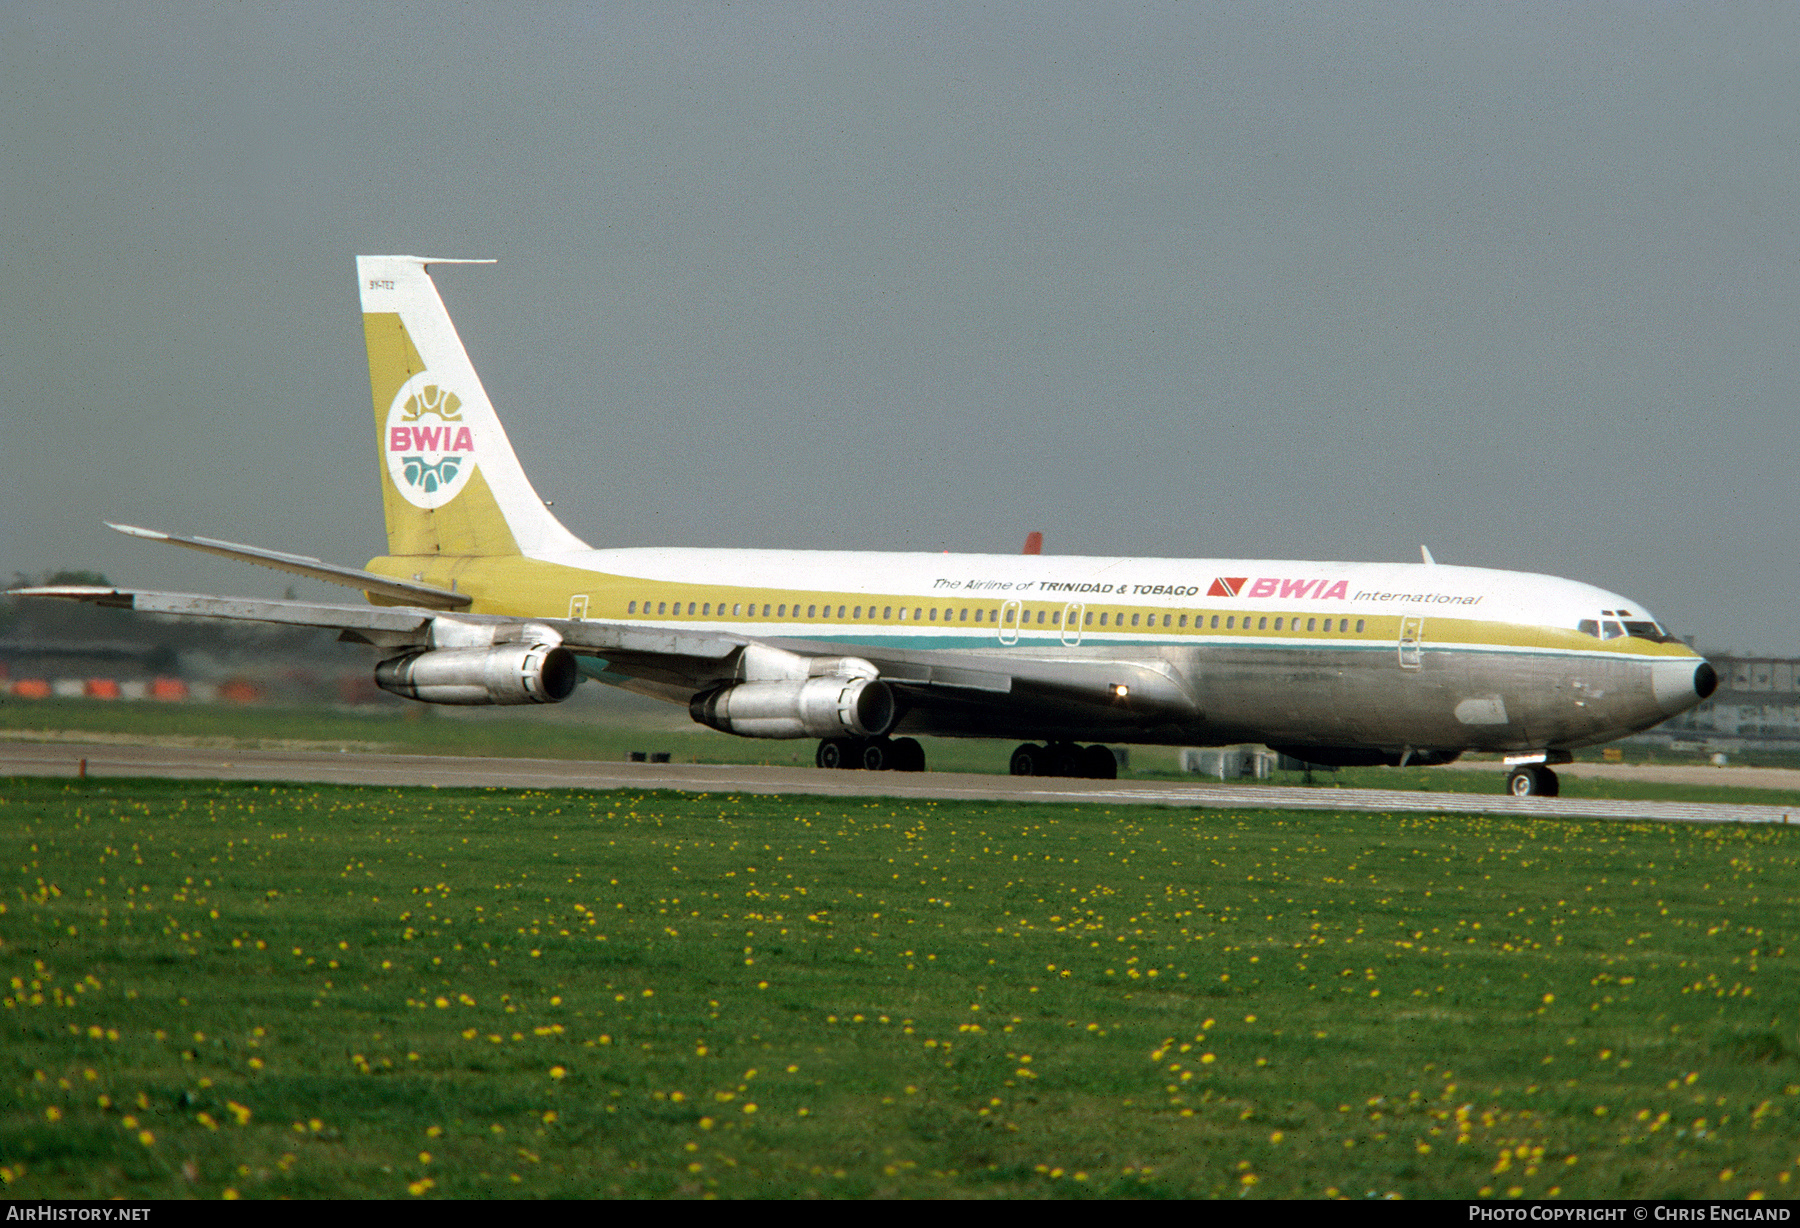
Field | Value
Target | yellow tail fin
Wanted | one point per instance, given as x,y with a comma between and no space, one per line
450,481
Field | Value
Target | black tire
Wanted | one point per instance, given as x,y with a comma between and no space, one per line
877,755
837,753
1031,760
1065,759
908,755
1098,763
1533,781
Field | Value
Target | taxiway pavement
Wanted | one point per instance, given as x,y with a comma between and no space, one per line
324,767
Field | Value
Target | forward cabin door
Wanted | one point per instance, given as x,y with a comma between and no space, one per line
1412,641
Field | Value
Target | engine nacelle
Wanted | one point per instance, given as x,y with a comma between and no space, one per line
830,707
508,674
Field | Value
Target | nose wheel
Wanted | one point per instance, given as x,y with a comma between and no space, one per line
1533,780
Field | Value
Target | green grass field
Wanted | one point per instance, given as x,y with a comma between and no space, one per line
295,991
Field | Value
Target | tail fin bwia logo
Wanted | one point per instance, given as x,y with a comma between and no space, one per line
433,400
429,463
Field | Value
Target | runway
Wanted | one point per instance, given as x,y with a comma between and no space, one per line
321,767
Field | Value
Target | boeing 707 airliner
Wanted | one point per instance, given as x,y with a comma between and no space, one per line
484,597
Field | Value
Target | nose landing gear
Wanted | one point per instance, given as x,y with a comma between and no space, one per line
1533,780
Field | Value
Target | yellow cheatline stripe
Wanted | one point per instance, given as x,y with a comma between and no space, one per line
531,588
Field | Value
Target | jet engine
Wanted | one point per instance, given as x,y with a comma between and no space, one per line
508,674
829,707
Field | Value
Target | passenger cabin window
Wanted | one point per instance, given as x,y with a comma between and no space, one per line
1215,622
1278,624
632,608
1262,623
1230,622
1359,625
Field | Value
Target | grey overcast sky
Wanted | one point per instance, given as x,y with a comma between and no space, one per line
1516,281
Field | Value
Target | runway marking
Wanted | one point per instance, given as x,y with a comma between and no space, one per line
198,763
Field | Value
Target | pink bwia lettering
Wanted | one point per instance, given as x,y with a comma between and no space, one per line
1340,590
427,439
1297,588
1264,587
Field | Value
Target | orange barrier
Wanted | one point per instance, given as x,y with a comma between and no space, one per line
240,691
31,688
101,688
168,689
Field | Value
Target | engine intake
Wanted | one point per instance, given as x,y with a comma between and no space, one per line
510,674
828,707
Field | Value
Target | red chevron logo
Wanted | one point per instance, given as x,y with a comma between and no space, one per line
1226,586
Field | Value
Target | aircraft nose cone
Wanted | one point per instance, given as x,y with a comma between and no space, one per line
1682,683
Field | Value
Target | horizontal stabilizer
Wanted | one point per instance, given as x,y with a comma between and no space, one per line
393,620
313,569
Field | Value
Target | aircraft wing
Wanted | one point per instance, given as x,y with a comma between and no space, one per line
677,663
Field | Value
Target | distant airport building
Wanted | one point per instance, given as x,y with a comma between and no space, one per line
1757,705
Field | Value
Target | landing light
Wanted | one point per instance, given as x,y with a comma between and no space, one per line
1120,690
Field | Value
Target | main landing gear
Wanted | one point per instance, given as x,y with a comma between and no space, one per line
872,754
1065,759
1533,780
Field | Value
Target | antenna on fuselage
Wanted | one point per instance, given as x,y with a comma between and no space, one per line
1425,553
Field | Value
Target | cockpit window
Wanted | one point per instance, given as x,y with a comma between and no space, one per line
1608,629
1649,631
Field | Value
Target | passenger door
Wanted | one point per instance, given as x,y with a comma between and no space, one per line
1009,622
1071,628
1412,641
